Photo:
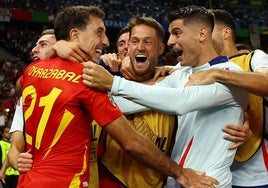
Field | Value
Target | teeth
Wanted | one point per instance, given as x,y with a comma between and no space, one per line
140,55
98,51
141,58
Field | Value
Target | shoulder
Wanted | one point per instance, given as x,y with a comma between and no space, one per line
228,65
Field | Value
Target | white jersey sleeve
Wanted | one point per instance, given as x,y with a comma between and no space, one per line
177,101
127,106
259,60
18,120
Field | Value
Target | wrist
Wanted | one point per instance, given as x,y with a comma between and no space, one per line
217,74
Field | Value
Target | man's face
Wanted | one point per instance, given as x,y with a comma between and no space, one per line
93,38
185,41
144,49
42,46
122,45
6,133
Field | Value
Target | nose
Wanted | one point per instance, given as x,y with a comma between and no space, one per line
105,41
140,46
35,50
126,46
171,40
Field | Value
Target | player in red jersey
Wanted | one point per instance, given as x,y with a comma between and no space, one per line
59,108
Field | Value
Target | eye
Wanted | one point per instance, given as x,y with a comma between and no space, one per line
100,31
134,41
122,43
148,42
177,33
43,44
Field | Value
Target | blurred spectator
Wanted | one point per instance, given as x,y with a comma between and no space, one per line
3,118
243,48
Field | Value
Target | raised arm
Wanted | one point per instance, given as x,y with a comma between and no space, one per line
252,82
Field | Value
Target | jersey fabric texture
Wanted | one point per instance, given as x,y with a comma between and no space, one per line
94,172
156,126
58,110
253,172
203,112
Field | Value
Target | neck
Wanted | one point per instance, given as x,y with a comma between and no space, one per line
145,77
230,50
207,56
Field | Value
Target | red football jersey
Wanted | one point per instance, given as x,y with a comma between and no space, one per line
58,110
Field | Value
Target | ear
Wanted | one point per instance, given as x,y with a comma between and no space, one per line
203,32
227,33
161,48
74,34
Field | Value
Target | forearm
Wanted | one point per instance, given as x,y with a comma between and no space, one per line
4,166
147,153
141,148
127,106
17,147
13,157
176,101
252,82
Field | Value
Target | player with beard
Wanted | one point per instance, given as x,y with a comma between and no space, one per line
203,110
46,148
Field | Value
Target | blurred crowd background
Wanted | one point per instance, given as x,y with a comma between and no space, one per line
22,21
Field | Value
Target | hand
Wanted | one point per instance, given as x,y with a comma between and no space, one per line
112,60
2,176
72,51
127,70
201,78
239,134
163,71
25,162
95,76
192,179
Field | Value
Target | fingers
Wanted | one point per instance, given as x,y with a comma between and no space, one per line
156,75
237,134
72,51
235,145
25,162
210,182
112,60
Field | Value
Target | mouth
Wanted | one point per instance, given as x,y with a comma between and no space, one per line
35,58
98,51
178,54
125,54
140,58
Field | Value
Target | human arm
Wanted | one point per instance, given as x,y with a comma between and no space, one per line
237,133
17,146
70,50
163,99
128,73
4,167
127,106
112,61
145,151
252,82
163,71
25,162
